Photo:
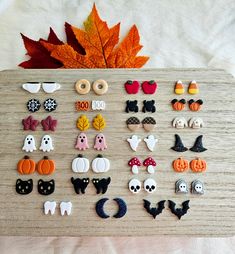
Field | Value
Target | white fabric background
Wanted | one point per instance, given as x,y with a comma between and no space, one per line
175,33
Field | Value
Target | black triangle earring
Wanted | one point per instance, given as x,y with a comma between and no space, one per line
179,146
198,146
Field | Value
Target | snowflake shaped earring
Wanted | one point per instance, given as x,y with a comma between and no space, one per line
50,104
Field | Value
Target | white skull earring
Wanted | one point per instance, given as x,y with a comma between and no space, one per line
150,185
134,185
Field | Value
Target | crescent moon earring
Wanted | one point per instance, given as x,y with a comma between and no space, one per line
122,208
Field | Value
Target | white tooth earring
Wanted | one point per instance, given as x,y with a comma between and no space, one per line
49,206
50,87
31,87
65,207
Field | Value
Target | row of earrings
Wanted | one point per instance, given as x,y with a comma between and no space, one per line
197,165
88,105
99,86
48,124
34,87
133,86
197,187
148,106
98,123
194,122
192,88
179,105
135,163
82,142
65,207
30,144
150,142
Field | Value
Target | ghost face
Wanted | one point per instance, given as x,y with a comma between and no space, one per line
100,142
197,187
181,186
82,143
29,144
46,144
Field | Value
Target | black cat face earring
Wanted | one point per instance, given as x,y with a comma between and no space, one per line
46,187
24,187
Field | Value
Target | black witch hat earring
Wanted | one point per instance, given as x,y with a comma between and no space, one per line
179,146
198,146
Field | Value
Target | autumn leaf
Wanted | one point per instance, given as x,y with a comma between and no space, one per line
94,47
83,123
99,122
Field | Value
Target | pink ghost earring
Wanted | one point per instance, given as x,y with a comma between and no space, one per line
82,143
100,142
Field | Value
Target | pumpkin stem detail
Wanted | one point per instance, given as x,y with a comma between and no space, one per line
80,156
45,158
26,157
99,156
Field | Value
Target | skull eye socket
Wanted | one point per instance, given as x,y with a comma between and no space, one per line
153,187
137,187
147,187
132,187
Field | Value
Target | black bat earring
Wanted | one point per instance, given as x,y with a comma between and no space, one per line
154,211
179,212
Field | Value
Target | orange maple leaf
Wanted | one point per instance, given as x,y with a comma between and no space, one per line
101,46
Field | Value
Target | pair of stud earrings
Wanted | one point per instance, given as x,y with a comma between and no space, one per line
155,211
99,86
197,187
150,142
33,105
197,147
87,105
99,165
179,105
30,144
48,124
135,186
133,86
80,184
192,88
44,187
27,166
135,163
148,106
34,87
99,144
65,207
133,123
194,122
98,123
197,165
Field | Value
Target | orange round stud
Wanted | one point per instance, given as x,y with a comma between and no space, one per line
180,165
198,165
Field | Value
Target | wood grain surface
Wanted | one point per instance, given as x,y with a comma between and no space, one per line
212,214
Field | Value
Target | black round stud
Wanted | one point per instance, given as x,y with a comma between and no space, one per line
50,104
33,105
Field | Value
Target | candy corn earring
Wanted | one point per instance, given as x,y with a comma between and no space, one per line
193,87
179,88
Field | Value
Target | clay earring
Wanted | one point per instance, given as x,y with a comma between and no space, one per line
179,146
179,88
193,87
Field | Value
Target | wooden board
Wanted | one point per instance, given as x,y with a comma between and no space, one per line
212,214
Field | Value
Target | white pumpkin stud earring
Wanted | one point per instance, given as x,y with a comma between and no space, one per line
46,144
134,141
100,164
80,164
29,144
150,142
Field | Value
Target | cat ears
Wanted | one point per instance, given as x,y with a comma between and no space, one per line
41,181
30,181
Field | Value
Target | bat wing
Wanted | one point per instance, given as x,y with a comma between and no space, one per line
179,212
154,211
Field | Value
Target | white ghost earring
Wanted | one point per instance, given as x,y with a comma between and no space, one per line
134,141
150,142
46,144
29,144
181,186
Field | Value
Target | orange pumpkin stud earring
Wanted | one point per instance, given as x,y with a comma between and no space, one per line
178,105
26,166
198,165
45,166
195,105
179,88
180,165
193,87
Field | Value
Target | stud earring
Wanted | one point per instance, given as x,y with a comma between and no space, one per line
179,88
193,87
134,163
198,146
83,86
132,86
131,106
195,105
197,187
178,105
100,87
181,187
179,146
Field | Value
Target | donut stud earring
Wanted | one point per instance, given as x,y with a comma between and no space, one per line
100,87
82,86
